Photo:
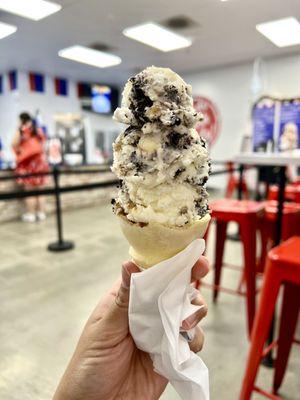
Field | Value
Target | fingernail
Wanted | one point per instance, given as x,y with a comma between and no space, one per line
125,277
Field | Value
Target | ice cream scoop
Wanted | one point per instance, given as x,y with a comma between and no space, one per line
163,166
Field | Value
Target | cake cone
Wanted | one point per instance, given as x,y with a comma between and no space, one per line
153,243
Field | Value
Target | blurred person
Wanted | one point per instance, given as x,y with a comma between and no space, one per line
106,364
28,145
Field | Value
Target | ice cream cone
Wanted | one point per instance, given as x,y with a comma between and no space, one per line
153,243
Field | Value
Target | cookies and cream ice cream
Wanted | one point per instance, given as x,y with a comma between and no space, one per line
161,161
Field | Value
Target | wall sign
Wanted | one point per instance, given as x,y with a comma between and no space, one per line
276,121
263,124
209,128
289,129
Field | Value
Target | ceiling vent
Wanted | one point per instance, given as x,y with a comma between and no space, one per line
180,22
100,47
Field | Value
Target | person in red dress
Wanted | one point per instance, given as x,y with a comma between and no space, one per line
28,145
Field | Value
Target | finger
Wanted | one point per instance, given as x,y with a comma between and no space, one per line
196,317
200,269
196,344
124,281
114,324
122,296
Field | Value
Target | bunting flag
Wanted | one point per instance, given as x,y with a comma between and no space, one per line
36,82
83,89
13,80
1,84
61,86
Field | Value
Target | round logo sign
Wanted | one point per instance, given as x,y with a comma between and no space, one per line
209,128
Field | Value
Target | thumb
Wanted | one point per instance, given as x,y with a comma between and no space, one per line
118,312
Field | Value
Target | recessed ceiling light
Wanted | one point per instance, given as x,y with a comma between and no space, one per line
282,32
89,56
6,30
32,9
156,36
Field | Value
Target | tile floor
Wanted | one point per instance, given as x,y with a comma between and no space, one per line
46,298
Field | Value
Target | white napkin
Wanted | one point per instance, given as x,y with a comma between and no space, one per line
160,299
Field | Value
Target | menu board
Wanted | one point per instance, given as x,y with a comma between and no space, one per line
289,129
263,124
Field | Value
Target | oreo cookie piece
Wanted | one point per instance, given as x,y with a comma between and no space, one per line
129,130
203,142
172,93
174,139
178,172
174,120
139,101
138,165
178,141
132,136
201,208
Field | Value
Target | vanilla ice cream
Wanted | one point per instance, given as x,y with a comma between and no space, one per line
162,163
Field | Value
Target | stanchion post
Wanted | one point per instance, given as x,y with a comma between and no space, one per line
61,244
236,236
268,361
240,187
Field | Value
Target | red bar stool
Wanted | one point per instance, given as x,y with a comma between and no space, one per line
233,183
292,193
282,268
267,226
247,214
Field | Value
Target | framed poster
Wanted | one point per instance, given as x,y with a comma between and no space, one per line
289,127
263,116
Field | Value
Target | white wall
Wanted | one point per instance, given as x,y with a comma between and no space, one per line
48,102
9,108
230,89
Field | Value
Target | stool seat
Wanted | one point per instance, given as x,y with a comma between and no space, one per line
287,255
233,206
292,193
282,268
290,225
289,207
288,210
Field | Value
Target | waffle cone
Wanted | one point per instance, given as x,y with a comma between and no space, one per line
154,242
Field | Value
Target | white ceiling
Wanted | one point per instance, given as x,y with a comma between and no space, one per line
225,35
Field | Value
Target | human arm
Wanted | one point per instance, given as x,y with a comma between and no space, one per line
106,364
16,140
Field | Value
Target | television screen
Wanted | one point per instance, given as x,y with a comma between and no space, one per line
101,99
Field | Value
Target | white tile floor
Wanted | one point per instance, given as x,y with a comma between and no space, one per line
46,298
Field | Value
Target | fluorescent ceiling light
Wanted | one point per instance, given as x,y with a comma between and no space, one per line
282,32
90,56
32,9
156,36
6,30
